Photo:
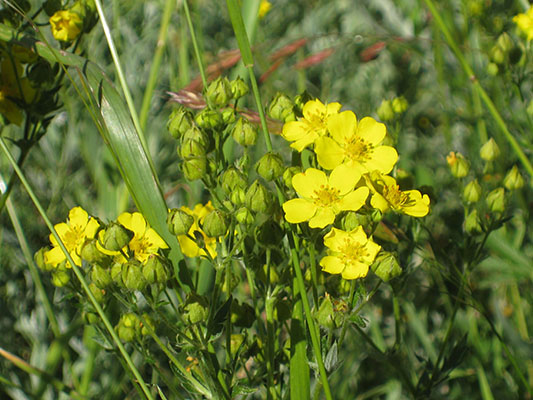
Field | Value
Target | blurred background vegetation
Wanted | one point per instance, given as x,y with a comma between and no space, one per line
364,52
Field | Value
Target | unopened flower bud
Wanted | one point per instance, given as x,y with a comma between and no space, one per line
472,223
386,266
385,112
90,252
282,108
489,151
288,174
98,293
352,220
492,69
497,55
228,116
116,274
39,259
236,341
299,102
218,92
233,179
115,237
239,88
195,309
270,166
147,321
101,276
243,163
399,105
513,180
244,216
325,315
472,191
496,200
156,269
215,224
209,119
127,327
504,42
191,148
244,132
194,168
238,197
132,276
459,166
179,122
258,198
179,222
60,277
197,135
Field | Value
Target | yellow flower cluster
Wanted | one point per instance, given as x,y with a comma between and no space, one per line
359,165
524,22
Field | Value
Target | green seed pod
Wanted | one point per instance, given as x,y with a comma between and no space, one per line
324,315
513,180
385,112
90,252
215,224
156,269
228,116
149,321
492,69
40,259
116,274
179,222
218,92
299,102
101,276
194,168
489,151
472,224
282,108
496,200
239,88
270,166
132,275
195,309
209,119
233,179
472,192
504,42
386,266
244,132
497,55
115,237
258,198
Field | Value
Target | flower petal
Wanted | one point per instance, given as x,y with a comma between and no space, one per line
306,183
354,200
314,109
343,178
298,210
332,264
156,240
342,126
78,217
378,201
371,131
329,153
323,216
383,159
355,270
54,256
420,208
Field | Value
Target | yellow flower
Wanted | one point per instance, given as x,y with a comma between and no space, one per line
66,25
189,247
386,195
312,126
323,197
349,253
356,144
145,240
73,234
525,23
264,8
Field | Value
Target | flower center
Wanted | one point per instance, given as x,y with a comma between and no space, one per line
140,247
73,237
395,196
357,149
326,196
351,251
